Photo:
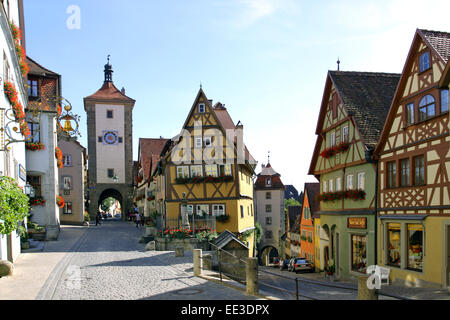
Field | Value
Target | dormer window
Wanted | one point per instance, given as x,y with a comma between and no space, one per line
201,108
208,142
268,182
424,61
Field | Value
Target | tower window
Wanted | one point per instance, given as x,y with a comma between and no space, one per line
120,140
110,114
100,139
110,173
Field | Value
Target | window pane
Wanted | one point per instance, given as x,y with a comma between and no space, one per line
415,246
409,113
391,174
196,171
419,170
211,170
424,61
444,100
404,173
393,249
359,253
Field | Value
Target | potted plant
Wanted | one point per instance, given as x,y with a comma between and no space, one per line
331,269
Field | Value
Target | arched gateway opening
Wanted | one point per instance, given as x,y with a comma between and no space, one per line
268,254
106,206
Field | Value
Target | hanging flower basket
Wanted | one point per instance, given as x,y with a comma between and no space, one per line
329,152
34,146
59,157
60,201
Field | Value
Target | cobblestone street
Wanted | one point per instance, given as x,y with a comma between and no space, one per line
108,262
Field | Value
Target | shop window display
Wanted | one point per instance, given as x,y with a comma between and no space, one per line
359,253
415,247
394,244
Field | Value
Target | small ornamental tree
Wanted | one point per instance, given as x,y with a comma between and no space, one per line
13,205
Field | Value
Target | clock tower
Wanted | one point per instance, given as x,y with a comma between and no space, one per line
110,145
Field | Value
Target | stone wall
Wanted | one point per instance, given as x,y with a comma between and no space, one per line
166,244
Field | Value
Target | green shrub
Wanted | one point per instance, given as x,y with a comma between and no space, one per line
14,205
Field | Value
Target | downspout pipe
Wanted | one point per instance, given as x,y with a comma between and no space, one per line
371,159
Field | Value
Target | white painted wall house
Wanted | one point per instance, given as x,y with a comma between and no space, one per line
12,156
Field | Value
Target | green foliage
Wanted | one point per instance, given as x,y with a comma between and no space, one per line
23,234
223,218
107,203
13,205
206,235
290,202
259,232
87,218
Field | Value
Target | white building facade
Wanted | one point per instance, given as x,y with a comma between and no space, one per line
12,156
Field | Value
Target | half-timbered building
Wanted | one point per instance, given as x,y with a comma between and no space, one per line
414,169
353,110
209,168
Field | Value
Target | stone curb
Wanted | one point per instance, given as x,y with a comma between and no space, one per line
237,286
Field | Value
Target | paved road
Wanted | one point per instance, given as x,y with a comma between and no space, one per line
108,263
272,277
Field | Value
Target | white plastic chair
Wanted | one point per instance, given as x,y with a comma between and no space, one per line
381,272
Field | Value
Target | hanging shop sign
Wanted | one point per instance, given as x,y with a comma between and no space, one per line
357,223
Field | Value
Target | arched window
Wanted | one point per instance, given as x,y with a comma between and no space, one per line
427,107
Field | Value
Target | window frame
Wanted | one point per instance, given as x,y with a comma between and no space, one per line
409,114
361,180
69,163
108,172
109,112
194,168
422,170
35,132
201,106
268,195
349,176
66,209
216,212
184,170
391,175
208,166
404,173
345,134
442,99
268,208
422,66
427,106
31,81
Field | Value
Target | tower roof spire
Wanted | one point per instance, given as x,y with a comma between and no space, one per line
108,71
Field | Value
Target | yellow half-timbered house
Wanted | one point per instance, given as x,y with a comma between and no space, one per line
414,169
208,168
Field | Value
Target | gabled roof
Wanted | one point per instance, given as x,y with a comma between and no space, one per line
223,119
367,96
439,43
312,189
438,40
39,70
149,154
226,237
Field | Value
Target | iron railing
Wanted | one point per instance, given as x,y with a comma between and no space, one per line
195,222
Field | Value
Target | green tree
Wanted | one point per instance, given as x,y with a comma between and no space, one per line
107,203
13,205
290,202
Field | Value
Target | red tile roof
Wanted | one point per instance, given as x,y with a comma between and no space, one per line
439,40
149,154
109,92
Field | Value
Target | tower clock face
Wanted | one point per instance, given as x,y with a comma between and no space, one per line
110,137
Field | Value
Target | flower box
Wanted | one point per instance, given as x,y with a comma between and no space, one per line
207,179
329,152
38,201
34,146
340,195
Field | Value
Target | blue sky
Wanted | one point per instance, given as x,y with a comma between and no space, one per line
266,60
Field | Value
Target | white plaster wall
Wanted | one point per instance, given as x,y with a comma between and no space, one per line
110,156
277,214
3,247
38,161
